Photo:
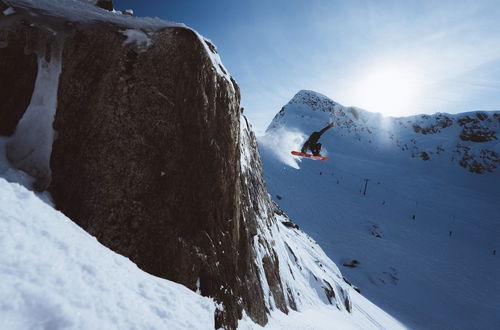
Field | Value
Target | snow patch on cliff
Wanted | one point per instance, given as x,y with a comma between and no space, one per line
137,37
30,147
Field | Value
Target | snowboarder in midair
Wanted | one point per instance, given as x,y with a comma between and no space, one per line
312,143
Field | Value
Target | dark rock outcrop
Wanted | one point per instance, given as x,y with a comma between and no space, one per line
18,67
467,120
477,133
484,161
147,160
440,121
424,155
353,264
105,4
482,116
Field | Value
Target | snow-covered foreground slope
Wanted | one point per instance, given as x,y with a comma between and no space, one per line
53,275
426,230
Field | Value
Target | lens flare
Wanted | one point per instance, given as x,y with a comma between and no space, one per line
392,91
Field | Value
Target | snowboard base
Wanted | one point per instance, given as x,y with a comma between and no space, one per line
301,154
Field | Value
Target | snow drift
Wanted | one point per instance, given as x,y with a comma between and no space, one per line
54,275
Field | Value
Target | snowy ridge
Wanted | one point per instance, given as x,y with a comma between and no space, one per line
82,13
425,234
311,279
54,275
86,13
469,140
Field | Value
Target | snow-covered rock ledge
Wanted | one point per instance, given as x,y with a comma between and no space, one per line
69,14
54,275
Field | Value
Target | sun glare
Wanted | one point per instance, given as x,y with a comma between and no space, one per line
392,91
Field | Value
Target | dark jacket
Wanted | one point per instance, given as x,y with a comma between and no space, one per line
312,141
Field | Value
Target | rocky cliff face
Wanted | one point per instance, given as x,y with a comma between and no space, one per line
146,157
294,271
19,68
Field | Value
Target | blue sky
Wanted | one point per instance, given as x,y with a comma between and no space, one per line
394,57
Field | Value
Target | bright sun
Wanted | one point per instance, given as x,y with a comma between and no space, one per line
391,91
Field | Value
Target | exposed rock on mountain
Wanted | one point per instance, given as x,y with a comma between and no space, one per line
293,270
105,4
477,133
147,158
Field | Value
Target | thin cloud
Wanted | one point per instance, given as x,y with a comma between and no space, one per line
455,45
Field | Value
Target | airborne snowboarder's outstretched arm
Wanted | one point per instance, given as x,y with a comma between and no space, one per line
326,128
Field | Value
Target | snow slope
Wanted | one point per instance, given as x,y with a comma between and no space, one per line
425,232
327,318
54,275
318,296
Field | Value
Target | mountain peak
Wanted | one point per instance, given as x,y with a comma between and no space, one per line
313,99
307,103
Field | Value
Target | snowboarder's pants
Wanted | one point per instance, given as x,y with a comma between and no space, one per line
315,148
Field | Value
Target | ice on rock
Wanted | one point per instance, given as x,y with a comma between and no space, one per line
137,37
9,11
30,147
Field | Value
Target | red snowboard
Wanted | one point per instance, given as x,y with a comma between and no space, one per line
301,154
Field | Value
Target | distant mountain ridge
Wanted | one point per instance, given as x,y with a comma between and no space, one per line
468,139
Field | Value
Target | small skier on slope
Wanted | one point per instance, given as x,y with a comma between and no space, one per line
312,143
